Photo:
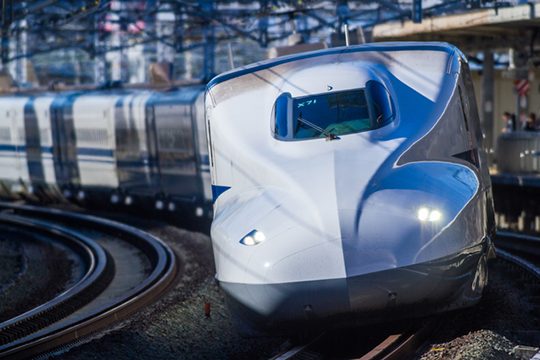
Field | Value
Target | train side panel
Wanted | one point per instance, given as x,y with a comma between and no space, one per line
174,133
12,146
93,118
122,146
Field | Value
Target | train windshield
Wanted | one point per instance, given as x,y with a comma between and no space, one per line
339,113
333,114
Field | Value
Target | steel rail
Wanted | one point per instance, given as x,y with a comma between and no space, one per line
394,347
518,242
405,344
165,271
99,273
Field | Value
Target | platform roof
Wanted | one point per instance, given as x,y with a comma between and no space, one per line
516,26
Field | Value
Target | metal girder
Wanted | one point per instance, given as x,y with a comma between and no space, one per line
265,22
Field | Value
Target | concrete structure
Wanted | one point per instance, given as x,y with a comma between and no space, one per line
485,31
474,30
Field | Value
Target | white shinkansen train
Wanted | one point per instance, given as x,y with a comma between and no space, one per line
129,147
350,187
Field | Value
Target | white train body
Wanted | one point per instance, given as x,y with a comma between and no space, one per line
386,213
121,146
93,119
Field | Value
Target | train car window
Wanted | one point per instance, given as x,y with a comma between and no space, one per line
44,136
5,134
382,104
174,134
92,136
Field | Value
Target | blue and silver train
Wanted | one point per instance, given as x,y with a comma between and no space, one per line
351,187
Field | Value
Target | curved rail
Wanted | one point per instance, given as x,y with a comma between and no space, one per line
518,242
165,271
98,275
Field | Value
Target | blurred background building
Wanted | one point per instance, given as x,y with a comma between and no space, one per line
92,42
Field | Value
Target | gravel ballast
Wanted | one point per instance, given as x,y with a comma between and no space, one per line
175,327
34,272
490,330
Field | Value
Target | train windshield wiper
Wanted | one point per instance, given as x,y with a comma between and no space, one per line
328,135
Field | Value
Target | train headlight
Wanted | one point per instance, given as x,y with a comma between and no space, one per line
423,214
434,216
428,214
253,238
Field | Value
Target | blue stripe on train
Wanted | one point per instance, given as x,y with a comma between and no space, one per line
205,160
49,150
217,190
5,147
95,152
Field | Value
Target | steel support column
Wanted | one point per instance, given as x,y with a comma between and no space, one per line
99,58
19,47
209,37
263,26
209,54
165,29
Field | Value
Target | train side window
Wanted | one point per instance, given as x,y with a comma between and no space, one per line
383,109
281,116
5,134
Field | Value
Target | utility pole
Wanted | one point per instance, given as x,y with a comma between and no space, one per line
165,30
263,25
209,48
99,57
7,20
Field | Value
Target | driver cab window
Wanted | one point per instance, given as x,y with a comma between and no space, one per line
337,113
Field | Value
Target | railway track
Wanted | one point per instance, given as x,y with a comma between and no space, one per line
125,269
392,343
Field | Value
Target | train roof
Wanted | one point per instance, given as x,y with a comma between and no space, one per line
115,88
372,47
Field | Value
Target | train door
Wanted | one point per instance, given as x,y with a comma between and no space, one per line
176,150
64,144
